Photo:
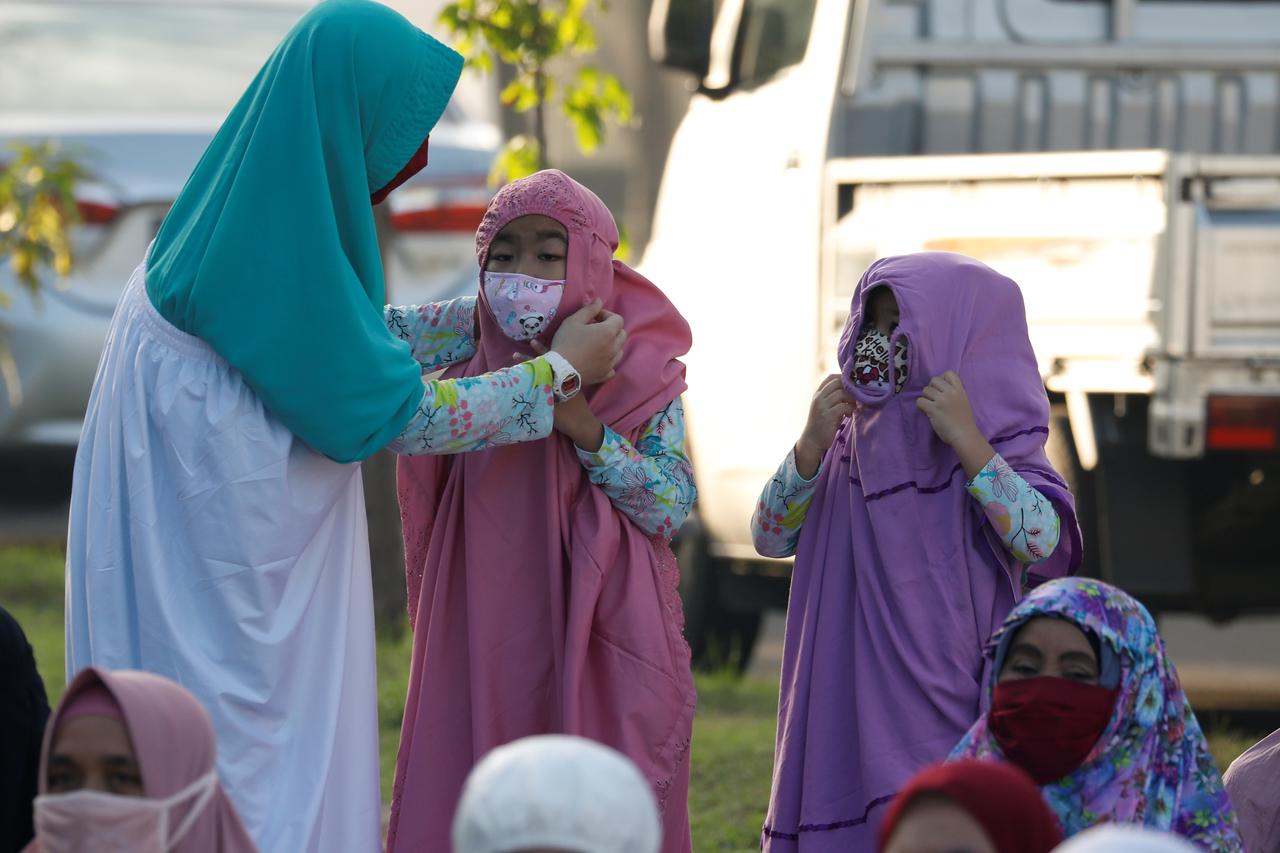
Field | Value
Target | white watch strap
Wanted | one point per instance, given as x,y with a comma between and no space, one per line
561,370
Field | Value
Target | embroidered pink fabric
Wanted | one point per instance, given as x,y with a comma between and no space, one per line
537,606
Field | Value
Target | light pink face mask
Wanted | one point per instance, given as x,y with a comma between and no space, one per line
96,822
523,305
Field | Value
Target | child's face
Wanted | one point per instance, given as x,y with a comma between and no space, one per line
533,245
882,310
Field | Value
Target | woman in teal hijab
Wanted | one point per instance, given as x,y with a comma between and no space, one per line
217,532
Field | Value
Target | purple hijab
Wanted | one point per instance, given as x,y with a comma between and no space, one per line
899,581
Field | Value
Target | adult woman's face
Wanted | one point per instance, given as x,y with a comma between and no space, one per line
1052,647
936,824
93,753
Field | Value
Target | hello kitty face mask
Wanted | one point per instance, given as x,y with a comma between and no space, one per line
523,305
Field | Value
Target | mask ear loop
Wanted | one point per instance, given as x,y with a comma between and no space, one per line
894,381
203,789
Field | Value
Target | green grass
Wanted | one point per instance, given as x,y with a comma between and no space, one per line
732,754
31,589
733,737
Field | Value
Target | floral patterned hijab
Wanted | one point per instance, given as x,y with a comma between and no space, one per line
1151,766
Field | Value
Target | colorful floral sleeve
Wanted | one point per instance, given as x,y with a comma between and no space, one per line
651,482
440,333
784,503
1025,519
478,412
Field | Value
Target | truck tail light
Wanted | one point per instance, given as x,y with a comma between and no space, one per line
449,218
1243,423
445,209
96,212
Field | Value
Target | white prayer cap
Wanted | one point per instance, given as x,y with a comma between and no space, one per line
558,792
1117,838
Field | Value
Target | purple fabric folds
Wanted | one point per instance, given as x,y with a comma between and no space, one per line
899,581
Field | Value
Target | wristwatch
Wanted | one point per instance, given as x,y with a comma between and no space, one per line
566,382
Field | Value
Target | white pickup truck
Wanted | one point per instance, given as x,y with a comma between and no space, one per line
1120,160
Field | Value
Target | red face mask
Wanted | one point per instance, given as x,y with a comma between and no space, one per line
1048,726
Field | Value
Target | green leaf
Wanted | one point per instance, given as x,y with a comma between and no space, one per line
569,30
616,97
37,210
519,158
623,252
513,91
526,37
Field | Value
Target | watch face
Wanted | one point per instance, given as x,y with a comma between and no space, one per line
570,385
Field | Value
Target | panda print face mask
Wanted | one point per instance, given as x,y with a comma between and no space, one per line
523,305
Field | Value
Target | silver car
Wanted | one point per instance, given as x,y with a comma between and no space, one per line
135,89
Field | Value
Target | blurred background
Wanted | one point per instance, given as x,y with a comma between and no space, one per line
1119,158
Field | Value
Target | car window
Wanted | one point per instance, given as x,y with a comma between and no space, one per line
772,35
133,57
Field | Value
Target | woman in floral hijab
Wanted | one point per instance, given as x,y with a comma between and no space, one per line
1150,765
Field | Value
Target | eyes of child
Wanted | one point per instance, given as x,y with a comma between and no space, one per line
507,257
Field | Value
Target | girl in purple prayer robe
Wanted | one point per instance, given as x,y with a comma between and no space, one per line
919,504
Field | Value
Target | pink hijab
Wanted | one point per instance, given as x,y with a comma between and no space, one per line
1253,783
173,743
537,607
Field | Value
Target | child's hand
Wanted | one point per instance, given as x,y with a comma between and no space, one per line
831,405
591,340
946,405
574,418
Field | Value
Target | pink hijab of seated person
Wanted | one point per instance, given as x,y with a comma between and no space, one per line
128,765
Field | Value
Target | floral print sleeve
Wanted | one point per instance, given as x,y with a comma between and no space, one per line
440,333
651,482
1025,520
478,412
775,526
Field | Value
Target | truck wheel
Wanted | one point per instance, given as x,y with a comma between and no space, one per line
719,638
730,640
696,583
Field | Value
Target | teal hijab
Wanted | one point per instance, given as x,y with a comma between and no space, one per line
270,253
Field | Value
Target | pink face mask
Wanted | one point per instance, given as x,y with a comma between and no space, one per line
84,821
523,305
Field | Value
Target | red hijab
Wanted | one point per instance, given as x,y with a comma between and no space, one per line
1000,797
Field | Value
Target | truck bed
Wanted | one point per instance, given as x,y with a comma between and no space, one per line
986,76
1144,272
